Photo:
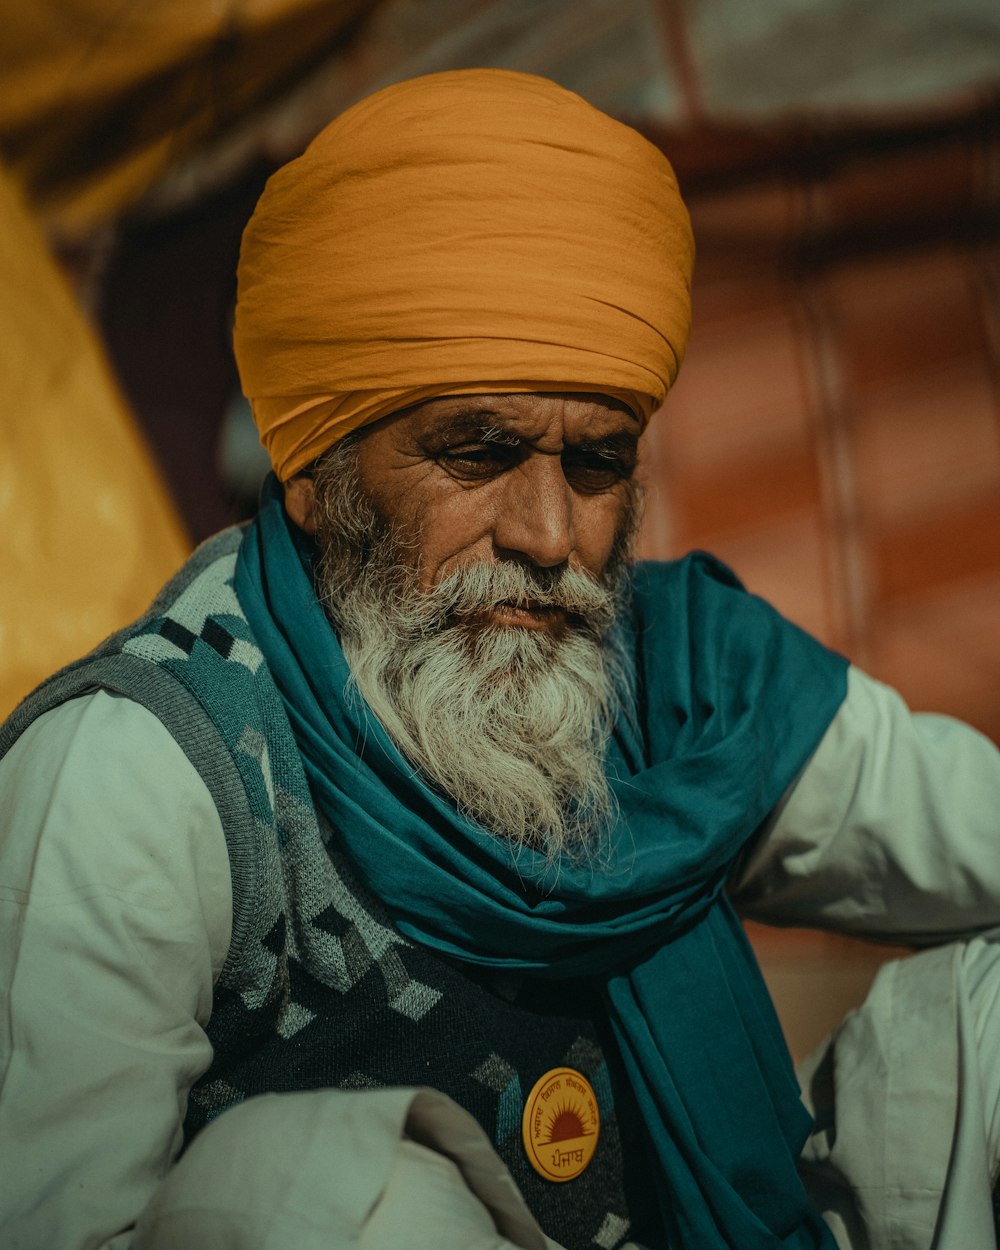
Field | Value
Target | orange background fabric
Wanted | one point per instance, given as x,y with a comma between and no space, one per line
392,262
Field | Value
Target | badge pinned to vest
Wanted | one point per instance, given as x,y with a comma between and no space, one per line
561,1124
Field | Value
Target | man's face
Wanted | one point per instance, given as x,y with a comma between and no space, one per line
544,480
472,553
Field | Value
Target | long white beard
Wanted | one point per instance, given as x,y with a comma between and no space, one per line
512,723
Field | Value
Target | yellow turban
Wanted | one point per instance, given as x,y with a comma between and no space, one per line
476,230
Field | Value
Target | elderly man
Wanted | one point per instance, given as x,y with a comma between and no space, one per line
419,805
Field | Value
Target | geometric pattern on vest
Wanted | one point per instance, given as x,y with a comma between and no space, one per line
319,989
485,1041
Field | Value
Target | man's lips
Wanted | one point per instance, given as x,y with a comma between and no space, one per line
528,616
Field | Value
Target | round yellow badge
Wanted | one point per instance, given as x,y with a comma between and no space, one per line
561,1124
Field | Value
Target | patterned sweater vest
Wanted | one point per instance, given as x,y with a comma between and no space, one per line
319,988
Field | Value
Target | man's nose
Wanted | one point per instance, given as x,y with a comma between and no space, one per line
535,520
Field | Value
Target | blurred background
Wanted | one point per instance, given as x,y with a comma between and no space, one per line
834,434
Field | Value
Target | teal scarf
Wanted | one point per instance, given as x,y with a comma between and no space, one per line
732,700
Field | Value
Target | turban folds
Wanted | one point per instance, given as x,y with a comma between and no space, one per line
464,232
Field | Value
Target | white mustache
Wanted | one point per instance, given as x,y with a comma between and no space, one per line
479,588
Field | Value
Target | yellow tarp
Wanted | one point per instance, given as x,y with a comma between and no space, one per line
87,533
98,98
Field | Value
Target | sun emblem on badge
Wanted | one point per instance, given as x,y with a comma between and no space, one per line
561,1124
565,1123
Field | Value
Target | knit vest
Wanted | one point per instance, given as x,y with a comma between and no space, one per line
319,988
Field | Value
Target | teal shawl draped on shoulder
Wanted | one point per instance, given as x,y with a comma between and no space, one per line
732,700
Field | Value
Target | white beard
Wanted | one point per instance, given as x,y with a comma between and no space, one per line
511,723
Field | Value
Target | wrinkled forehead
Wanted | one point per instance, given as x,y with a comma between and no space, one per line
566,413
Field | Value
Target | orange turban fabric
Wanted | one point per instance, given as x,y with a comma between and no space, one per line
470,231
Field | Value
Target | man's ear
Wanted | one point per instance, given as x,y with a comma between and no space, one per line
300,502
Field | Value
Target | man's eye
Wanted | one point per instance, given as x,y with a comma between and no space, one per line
481,460
591,472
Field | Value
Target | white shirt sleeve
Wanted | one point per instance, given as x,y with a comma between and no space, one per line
891,831
115,917
115,920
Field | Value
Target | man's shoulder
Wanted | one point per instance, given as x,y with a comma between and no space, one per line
680,573
196,615
192,662
690,595
214,558
193,638
694,620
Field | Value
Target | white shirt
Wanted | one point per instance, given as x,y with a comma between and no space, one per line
115,918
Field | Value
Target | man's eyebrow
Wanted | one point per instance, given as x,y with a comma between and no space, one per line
481,424
485,425
622,442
